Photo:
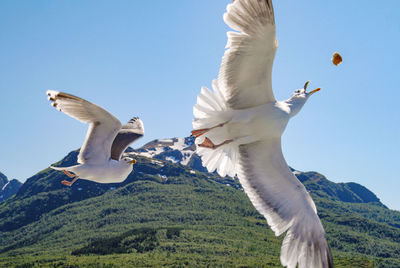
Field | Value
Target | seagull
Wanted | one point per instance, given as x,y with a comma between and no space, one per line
238,127
100,158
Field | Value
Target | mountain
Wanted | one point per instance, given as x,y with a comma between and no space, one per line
170,214
182,151
175,150
350,192
8,188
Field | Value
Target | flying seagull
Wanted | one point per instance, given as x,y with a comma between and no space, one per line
100,158
238,128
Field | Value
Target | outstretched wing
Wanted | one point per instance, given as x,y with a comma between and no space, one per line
103,126
129,132
245,73
281,198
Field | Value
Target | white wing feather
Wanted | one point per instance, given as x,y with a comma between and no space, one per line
103,126
245,73
244,81
283,200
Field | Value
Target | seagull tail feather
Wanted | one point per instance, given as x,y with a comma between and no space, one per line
57,168
62,168
211,110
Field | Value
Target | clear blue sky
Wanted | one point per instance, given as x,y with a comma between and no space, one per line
150,58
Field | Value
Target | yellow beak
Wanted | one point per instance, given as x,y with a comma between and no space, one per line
315,90
133,161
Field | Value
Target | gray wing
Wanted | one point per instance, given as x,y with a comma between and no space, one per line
129,132
246,68
285,203
103,126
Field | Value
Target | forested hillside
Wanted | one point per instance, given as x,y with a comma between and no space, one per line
169,214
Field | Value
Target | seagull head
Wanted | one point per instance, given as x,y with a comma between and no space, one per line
299,98
128,160
302,94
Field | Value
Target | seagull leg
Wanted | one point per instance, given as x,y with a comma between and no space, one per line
207,143
74,180
198,132
69,183
68,174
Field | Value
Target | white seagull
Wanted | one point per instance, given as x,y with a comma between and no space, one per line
100,157
238,128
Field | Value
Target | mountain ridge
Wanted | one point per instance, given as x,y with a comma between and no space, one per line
182,150
8,188
216,223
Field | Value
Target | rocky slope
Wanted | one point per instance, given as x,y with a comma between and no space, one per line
8,188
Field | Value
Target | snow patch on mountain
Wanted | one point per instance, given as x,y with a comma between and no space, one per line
8,187
175,150
5,185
